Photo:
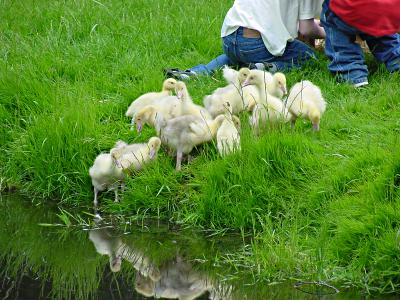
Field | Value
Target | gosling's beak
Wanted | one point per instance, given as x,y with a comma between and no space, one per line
245,83
284,90
115,264
117,163
179,94
316,127
152,153
138,127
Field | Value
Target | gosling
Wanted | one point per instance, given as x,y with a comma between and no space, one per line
187,105
133,157
270,110
150,98
183,133
240,98
106,174
305,100
228,136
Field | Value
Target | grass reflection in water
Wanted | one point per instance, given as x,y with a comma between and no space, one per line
69,262
101,260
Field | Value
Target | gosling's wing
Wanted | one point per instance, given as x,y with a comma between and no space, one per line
198,127
144,100
317,97
134,147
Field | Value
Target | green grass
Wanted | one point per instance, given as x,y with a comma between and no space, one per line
320,205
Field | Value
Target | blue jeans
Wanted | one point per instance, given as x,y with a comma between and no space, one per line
217,63
242,51
346,56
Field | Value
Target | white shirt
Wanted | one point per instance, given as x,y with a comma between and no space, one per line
276,20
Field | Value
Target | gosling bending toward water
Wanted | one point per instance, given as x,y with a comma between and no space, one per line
106,174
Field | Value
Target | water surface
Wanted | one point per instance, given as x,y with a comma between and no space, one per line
47,254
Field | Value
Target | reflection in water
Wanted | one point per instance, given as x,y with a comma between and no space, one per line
178,280
108,243
174,279
133,262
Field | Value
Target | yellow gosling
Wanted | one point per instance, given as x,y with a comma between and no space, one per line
305,100
151,98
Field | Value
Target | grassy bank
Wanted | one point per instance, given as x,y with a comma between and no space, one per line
321,205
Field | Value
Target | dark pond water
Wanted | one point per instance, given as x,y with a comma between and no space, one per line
134,260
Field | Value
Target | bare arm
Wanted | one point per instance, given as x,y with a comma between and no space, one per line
311,29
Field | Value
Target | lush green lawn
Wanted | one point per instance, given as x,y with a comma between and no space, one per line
321,205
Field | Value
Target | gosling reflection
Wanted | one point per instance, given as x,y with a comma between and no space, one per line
174,279
108,242
178,280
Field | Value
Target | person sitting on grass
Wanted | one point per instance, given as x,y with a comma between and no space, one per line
375,21
262,34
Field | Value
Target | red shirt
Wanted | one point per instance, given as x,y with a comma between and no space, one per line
374,17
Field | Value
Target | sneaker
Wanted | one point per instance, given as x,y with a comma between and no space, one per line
180,74
264,66
360,84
